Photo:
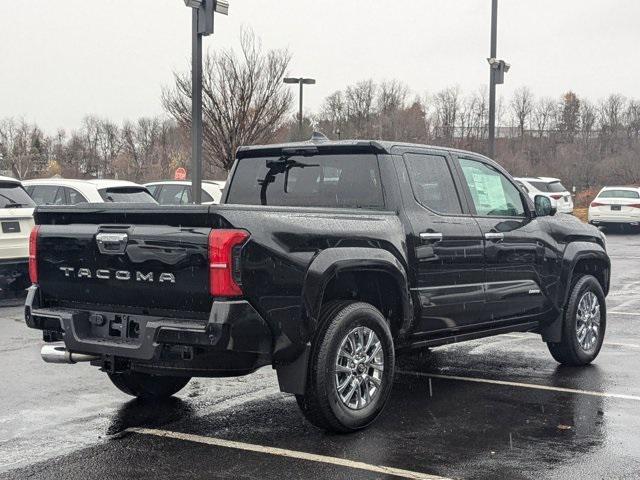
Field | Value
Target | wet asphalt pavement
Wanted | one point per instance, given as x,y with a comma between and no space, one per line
59,421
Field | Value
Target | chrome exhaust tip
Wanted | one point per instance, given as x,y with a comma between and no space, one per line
59,354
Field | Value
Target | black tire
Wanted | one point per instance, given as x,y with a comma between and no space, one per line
569,351
320,403
148,387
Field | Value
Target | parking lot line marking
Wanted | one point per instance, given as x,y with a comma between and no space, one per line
281,452
522,385
523,336
615,312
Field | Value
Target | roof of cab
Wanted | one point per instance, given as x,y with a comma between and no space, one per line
374,146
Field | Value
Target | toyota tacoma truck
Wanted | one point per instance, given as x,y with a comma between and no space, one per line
324,260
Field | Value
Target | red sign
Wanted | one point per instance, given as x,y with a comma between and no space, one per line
181,174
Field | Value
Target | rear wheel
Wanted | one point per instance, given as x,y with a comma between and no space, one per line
148,387
584,324
351,368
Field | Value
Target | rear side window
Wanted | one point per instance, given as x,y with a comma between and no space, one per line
75,197
126,195
432,183
206,197
619,194
550,187
13,195
48,195
343,181
173,195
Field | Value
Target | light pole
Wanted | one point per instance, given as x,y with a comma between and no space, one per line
497,69
201,25
301,81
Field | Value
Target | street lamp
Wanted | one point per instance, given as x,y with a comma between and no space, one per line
497,69
301,81
201,25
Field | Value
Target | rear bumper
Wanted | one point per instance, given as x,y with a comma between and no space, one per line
621,220
563,207
234,340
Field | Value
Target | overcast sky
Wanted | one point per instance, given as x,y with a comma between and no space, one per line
63,59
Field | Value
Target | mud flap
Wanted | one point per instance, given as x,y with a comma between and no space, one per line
552,332
292,377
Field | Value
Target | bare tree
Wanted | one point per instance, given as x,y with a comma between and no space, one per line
140,140
360,106
569,121
392,96
587,119
521,107
244,100
447,106
544,113
23,148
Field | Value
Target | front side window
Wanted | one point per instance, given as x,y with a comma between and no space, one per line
432,183
492,193
340,180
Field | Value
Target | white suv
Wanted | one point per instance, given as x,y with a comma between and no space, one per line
616,206
64,191
549,187
16,220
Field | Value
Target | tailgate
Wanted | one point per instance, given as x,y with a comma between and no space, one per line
86,256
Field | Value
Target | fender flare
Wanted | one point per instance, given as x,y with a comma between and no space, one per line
331,262
324,267
574,253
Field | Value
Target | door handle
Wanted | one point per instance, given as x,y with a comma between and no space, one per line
495,236
431,236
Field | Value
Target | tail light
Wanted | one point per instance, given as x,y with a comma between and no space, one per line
635,205
224,262
33,254
556,197
596,204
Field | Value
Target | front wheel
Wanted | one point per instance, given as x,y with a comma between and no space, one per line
148,387
351,368
584,324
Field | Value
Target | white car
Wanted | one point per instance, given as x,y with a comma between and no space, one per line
616,206
549,187
64,191
177,192
16,220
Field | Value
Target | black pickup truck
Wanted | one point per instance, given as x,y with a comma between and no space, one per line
324,260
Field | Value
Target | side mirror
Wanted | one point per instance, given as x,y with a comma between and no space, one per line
544,206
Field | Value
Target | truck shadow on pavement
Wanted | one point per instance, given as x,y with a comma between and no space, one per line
150,414
447,427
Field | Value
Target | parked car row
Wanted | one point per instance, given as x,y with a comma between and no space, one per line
63,191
